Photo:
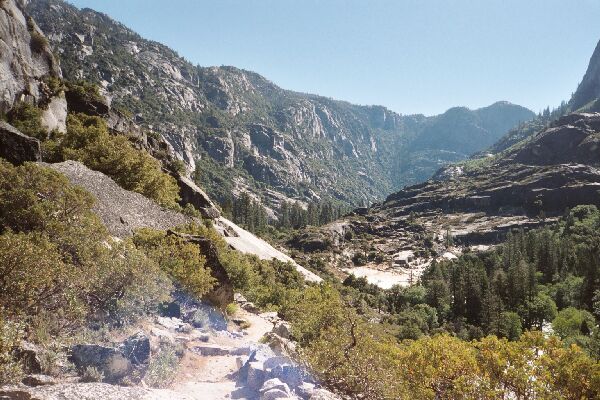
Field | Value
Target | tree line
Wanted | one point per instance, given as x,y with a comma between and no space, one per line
252,215
547,278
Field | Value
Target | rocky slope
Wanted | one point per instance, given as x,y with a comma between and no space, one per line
524,187
245,133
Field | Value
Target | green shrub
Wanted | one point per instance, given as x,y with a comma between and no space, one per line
56,85
178,258
11,370
38,41
87,140
231,309
35,276
123,283
58,263
163,367
84,90
27,118
37,198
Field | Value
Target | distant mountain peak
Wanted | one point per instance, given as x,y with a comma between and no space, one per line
587,94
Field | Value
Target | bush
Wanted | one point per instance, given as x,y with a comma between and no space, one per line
27,118
267,283
57,261
178,258
37,198
123,283
35,276
11,370
84,90
163,367
87,140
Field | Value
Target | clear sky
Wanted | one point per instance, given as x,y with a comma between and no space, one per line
413,56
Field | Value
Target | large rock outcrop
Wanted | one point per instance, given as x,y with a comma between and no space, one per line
121,211
17,147
555,169
222,294
190,193
26,64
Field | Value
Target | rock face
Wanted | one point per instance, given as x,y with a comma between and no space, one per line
25,59
588,92
17,147
54,116
556,169
121,211
190,193
244,241
244,131
26,62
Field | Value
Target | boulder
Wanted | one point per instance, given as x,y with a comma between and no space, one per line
29,356
34,380
281,346
256,375
200,336
17,147
270,316
163,335
305,390
206,317
282,329
290,374
322,394
190,193
121,211
136,348
275,389
241,351
107,360
212,350
54,116
170,323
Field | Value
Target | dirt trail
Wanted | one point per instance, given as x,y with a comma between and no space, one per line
202,377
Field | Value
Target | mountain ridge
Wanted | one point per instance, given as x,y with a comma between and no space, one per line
243,131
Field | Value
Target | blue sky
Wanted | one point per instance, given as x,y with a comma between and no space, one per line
413,56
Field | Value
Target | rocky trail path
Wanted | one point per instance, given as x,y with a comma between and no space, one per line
245,357
212,376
